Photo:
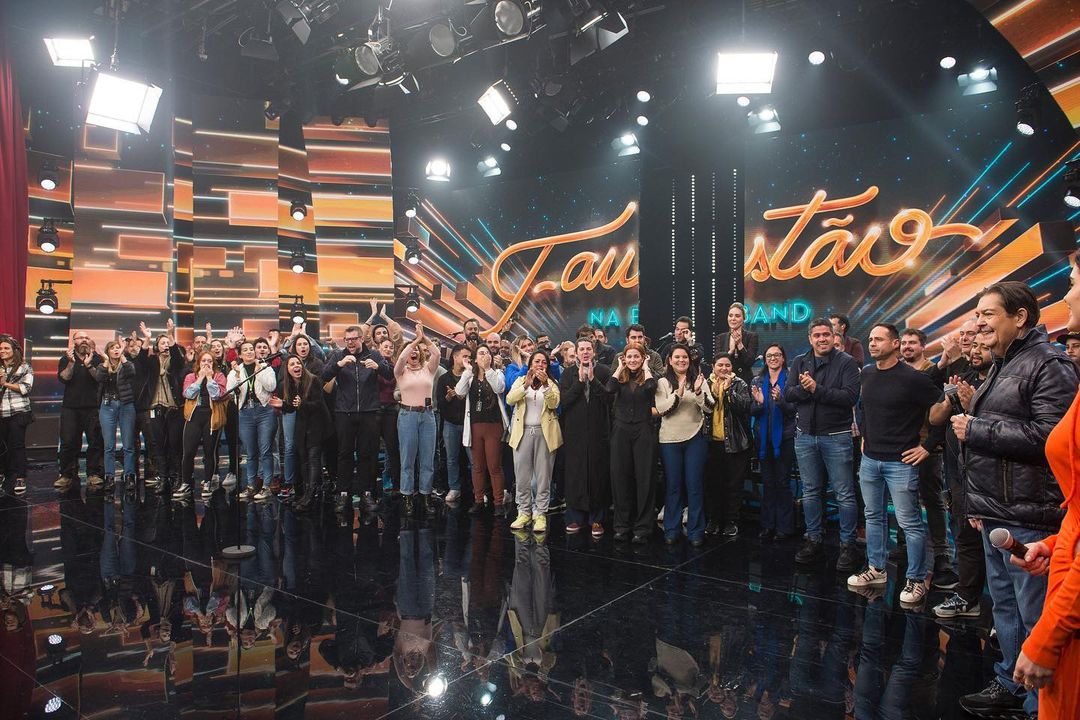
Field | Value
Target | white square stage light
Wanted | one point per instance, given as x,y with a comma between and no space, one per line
745,73
497,102
70,52
121,104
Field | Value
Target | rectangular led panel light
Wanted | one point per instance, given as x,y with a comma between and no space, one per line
745,73
496,102
121,104
70,52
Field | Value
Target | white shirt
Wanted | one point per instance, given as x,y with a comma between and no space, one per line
534,405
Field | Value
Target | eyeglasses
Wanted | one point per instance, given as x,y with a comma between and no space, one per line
352,339
774,356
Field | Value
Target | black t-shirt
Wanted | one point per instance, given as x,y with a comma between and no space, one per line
483,402
452,411
894,404
81,391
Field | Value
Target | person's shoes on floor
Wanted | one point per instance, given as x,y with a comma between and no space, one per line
597,530
521,521
206,489
956,606
944,578
182,492
574,528
477,507
427,505
452,496
152,481
63,482
500,510
245,494
914,592
993,701
712,528
540,523
810,552
262,495
556,506
869,576
849,559
229,482
730,530
20,486
408,505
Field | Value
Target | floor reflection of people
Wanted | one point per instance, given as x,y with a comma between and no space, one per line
16,630
532,619
882,692
824,639
415,650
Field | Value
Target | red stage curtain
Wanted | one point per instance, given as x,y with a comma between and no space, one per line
14,205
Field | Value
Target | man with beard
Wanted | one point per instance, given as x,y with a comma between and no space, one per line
956,350
964,602
931,485
494,345
79,413
472,333
389,330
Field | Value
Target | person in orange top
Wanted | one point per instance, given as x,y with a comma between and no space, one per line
1050,658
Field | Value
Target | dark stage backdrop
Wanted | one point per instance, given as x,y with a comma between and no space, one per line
539,255
904,222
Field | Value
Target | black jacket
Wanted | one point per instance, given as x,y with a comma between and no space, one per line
829,409
1004,458
632,404
147,367
357,387
737,403
81,391
125,380
743,360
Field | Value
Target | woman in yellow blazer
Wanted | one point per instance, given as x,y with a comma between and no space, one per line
534,437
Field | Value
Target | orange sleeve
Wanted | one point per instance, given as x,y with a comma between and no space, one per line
1059,622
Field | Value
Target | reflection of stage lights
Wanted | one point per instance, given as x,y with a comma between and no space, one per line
511,125
53,704
742,101
489,167
980,80
643,96
436,686
1072,183
765,120
947,63
55,639
816,57
485,694
438,170
46,589
504,146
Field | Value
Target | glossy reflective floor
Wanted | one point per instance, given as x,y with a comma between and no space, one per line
124,606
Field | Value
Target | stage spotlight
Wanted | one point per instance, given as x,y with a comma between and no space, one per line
70,52
509,17
642,120
297,261
55,639
300,16
122,104
742,101
745,73
628,139
443,39
511,125
377,57
765,120
47,237
47,301
297,313
643,96
412,250
1072,183
498,102
980,80
626,144
298,210
48,177
53,704
412,304
489,167
504,146
436,686
1027,110
947,63
412,204
438,170
816,57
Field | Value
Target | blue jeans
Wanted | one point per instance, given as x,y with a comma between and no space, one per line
903,483
288,425
827,458
257,427
684,467
110,416
416,435
1018,602
452,435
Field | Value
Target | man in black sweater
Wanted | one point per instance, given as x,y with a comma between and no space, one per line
894,403
79,413
823,384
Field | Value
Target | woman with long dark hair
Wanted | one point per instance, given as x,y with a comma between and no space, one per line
162,361
414,372
728,430
204,416
302,400
301,348
633,444
682,398
738,342
774,422
16,381
485,419
116,394
535,436
257,419
220,352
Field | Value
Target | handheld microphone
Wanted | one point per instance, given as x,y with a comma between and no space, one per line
1003,540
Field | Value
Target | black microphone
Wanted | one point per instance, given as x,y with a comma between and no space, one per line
1003,540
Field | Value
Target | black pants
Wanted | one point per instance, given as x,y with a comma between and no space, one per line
970,561
145,462
777,502
166,433
232,436
74,423
725,474
633,455
308,447
197,432
932,495
388,432
357,435
13,445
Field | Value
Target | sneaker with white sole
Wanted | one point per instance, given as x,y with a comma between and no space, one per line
914,592
262,495
453,496
206,489
955,606
869,576
521,521
229,482
182,492
245,494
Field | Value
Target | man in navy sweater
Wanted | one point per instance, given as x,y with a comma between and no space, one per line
894,402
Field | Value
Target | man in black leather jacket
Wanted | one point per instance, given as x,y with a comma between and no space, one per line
1009,484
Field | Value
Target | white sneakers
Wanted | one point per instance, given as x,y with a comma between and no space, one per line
453,496
914,592
869,576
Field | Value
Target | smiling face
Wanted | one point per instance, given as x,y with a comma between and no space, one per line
997,329
679,361
262,349
380,333
295,368
538,363
911,347
821,339
584,351
735,318
493,342
471,327
386,348
722,368
81,342
967,336
217,349
774,358
247,353
980,357
7,351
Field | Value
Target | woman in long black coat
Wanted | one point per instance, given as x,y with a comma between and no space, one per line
586,440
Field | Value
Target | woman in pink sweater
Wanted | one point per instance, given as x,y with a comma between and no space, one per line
415,374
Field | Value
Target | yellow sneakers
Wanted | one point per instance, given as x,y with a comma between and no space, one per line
521,521
540,524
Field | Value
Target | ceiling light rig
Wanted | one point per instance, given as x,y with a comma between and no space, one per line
47,301
48,239
298,261
412,204
1072,183
765,120
498,102
48,175
1027,110
745,73
297,311
438,170
298,210
982,79
117,102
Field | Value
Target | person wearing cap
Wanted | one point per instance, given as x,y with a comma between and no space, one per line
1071,341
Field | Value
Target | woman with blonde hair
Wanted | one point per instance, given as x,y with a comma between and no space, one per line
204,416
633,444
535,436
116,395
